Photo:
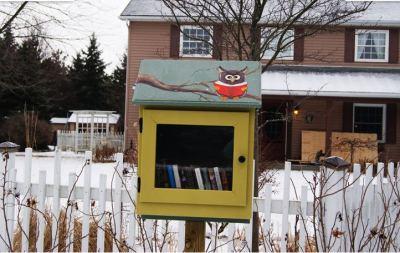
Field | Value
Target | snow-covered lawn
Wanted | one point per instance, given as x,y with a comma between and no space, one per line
70,163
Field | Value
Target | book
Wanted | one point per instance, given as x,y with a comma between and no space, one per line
213,181
171,177
182,175
218,178
176,176
199,179
191,178
161,179
224,180
206,180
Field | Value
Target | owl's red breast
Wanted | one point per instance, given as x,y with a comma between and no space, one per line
230,91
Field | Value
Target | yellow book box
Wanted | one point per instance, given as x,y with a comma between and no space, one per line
196,139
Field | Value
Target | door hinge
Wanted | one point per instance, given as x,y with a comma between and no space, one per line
138,184
140,125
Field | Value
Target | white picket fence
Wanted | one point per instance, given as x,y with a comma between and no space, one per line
120,199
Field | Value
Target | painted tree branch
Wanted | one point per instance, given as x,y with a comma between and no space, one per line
154,82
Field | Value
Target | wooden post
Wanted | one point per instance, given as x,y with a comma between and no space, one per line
328,127
195,232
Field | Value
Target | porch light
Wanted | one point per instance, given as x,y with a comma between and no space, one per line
296,111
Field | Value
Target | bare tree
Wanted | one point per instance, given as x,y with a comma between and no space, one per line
248,29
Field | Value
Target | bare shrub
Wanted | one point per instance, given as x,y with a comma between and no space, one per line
104,154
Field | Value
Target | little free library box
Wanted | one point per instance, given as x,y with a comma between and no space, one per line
196,138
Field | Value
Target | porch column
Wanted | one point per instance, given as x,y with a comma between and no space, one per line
91,131
328,127
76,131
107,124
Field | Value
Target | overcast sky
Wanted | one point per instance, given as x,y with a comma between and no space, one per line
78,20
101,17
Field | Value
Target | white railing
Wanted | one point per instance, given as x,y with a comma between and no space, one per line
336,203
71,140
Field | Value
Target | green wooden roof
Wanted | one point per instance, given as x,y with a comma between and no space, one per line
198,83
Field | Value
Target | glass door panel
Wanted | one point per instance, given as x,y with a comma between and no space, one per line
194,157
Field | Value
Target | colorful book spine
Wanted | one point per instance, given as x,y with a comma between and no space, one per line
206,180
182,175
199,179
218,178
176,176
171,177
191,178
213,181
224,180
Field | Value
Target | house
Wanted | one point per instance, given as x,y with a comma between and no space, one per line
354,86
86,129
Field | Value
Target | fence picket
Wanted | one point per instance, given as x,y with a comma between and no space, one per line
231,231
41,195
101,213
87,173
249,234
56,199
303,219
285,207
27,198
70,214
3,231
181,231
356,202
117,201
132,215
10,209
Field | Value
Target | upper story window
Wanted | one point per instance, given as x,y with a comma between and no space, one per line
372,45
286,53
370,118
195,41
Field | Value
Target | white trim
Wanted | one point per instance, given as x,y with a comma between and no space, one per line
278,57
358,31
383,106
181,54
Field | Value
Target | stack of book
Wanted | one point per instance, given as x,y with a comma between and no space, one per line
184,177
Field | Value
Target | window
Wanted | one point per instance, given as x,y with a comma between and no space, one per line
370,118
287,53
193,42
372,45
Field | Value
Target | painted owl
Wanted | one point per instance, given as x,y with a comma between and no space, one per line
231,84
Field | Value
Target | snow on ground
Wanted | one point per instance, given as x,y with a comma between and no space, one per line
70,163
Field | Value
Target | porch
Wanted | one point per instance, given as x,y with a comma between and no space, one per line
330,100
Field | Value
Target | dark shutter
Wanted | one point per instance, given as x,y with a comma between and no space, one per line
174,45
391,123
349,40
348,117
217,41
393,45
298,44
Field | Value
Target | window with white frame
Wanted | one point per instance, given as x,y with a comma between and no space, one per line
372,45
196,41
286,53
370,118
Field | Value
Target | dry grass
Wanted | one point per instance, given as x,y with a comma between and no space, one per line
63,233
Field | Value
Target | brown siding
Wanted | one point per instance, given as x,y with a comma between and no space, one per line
328,48
147,40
